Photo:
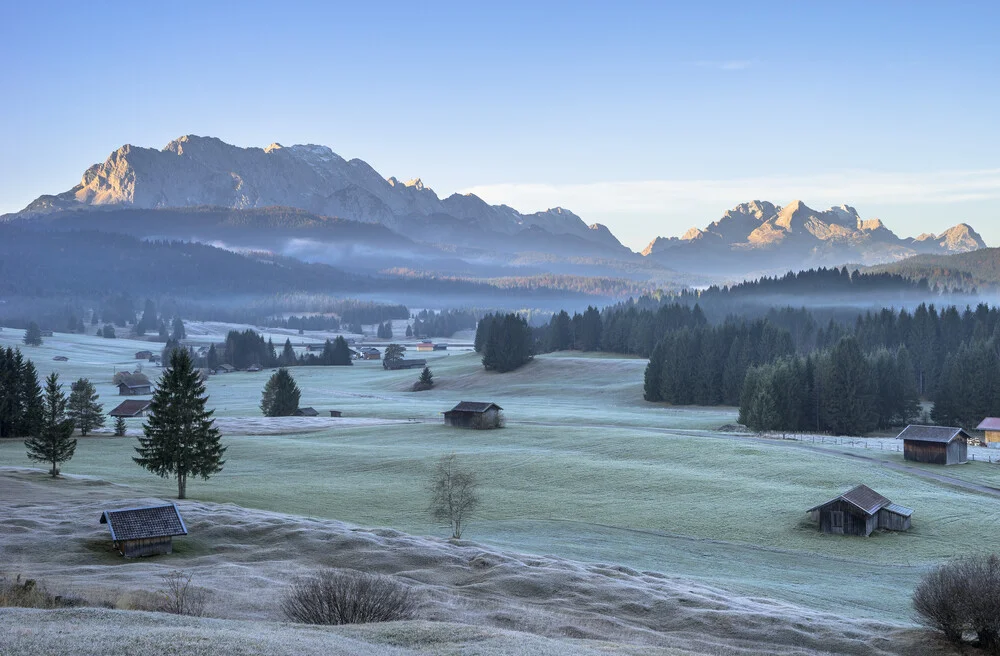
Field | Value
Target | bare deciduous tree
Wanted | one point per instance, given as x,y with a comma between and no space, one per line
178,596
455,494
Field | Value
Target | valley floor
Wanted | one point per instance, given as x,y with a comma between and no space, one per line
712,546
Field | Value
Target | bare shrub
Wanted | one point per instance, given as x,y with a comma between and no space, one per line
963,597
178,596
348,597
28,593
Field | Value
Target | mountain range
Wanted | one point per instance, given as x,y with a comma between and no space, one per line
306,197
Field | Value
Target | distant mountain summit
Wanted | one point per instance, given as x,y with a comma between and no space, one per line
205,171
765,235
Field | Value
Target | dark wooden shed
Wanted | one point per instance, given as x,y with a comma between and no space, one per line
937,445
306,412
133,384
336,413
475,414
860,511
144,531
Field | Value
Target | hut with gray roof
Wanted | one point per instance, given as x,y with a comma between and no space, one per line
936,445
144,531
475,414
860,511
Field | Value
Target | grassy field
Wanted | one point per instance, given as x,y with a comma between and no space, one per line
584,470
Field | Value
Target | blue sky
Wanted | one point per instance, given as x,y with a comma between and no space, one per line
648,117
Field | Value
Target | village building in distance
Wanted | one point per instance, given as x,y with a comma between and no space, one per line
936,445
860,511
135,384
131,408
991,427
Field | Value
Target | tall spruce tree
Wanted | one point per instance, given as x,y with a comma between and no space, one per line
83,409
54,441
280,397
287,354
33,335
179,437
340,353
177,330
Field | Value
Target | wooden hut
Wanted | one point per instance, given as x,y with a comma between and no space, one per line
475,414
991,428
131,408
860,511
133,384
937,445
143,355
425,345
144,531
336,413
306,412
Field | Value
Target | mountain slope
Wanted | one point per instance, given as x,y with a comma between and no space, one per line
206,171
772,237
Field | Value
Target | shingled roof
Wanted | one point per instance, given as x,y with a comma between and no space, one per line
942,434
989,424
130,408
474,406
140,523
863,498
133,380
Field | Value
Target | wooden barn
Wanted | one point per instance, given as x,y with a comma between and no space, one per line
306,412
991,428
425,345
131,408
143,355
133,384
144,531
860,511
937,445
370,353
475,414
336,413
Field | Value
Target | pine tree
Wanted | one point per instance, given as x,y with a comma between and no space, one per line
33,335
280,397
850,391
425,382
32,400
54,441
409,330
178,333
120,427
179,437
340,353
287,354
83,409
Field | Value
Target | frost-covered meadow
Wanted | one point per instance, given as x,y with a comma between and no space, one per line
584,470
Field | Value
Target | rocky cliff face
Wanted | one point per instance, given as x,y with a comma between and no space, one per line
796,235
205,171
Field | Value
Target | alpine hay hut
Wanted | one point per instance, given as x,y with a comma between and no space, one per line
860,511
145,531
475,414
937,445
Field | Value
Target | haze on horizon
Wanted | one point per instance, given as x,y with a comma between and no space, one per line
649,119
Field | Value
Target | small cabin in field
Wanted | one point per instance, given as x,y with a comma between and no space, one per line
860,511
336,413
306,412
225,369
991,428
425,345
475,414
370,353
134,385
143,355
131,408
937,445
61,358
146,531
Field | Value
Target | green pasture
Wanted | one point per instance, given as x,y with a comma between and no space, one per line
585,469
